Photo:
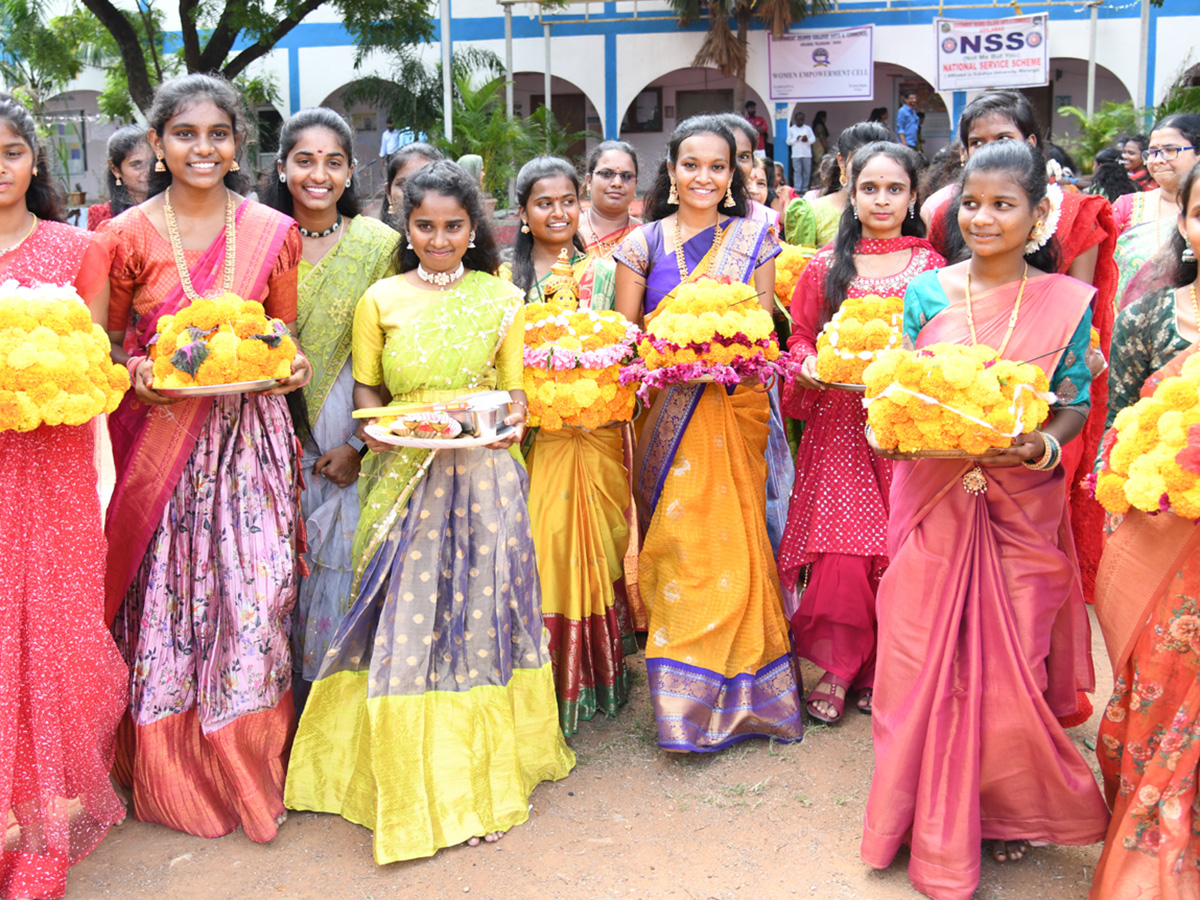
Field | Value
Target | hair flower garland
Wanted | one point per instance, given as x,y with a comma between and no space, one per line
572,362
220,340
1150,459
952,397
709,328
55,367
1050,223
856,334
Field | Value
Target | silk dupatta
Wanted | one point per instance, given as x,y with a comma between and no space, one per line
1141,559
151,445
734,255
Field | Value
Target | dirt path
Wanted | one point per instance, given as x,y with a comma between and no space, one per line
759,820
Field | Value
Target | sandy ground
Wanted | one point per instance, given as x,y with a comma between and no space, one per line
760,820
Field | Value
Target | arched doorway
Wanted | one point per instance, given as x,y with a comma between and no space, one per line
1068,87
570,105
648,120
368,123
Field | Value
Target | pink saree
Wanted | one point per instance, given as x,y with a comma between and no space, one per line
968,687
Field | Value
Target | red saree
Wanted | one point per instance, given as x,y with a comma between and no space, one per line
1146,601
204,745
983,638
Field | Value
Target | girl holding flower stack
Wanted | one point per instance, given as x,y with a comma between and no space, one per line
719,659
202,527
433,718
837,521
1147,602
62,681
344,254
983,635
578,484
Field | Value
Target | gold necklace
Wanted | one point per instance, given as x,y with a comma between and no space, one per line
679,257
31,230
1012,319
181,266
607,248
1195,305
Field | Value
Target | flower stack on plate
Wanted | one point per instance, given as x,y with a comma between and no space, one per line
948,399
218,341
573,359
55,367
789,266
1151,458
853,337
707,330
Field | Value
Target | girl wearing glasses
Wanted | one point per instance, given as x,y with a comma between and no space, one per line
611,183
578,487
1146,221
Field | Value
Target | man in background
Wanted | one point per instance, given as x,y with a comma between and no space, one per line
389,142
760,125
907,121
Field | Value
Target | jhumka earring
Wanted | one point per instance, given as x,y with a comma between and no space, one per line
673,194
282,178
158,165
119,182
524,228
729,201
1188,255
471,242
854,210
235,167
912,209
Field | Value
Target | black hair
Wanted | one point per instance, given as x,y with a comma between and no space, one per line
878,114
1060,156
819,118
275,193
123,142
603,147
1028,167
1184,270
1012,105
1187,124
655,205
943,168
797,110
859,135
427,152
174,96
736,123
1141,140
1110,178
531,173
826,178
841,270
449,179
42,199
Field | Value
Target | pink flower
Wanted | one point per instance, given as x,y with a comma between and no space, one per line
1170,743
1151,839
1138,751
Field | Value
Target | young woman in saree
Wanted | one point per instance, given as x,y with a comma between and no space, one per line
129,162
983,633
201,529
1147,221
433,716
610,185
814,223
344,254
1148,604
63,684
837,519
718,656
1083,236
579,493
746,136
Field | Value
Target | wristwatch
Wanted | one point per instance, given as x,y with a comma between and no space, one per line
359,445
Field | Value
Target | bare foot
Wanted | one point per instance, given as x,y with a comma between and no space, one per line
281,818
865,697
490,838
1009,851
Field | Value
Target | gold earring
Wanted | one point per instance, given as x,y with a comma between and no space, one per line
35,171
729,201
235,167
673,194
119,182
524,228
158,166
391,207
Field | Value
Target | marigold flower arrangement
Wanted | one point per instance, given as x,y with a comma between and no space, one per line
220,340
712,329
854,336
953,397
1151,457
55,367
573,360
789,266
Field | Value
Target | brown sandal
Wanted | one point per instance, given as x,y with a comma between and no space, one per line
825,692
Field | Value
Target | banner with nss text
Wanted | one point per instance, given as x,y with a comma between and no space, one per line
995,53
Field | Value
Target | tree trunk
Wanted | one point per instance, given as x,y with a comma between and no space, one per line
743,27
141,90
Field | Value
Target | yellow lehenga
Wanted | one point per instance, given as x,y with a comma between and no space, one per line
433,715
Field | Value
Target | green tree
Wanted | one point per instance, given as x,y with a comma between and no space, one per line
1099,130
481,126
228,35
37,56
728,51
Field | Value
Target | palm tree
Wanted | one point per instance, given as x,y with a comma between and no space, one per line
728,51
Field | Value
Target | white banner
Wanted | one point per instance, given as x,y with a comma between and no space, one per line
822,65
996,53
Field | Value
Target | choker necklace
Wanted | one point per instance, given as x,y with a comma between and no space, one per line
440,280
181,266
304,232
